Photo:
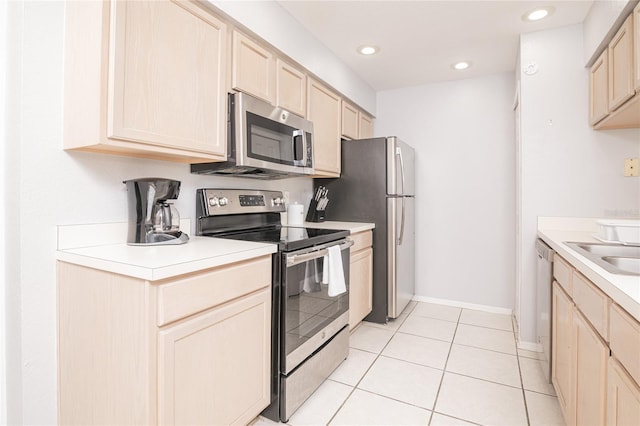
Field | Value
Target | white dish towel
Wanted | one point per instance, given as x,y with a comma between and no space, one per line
332,272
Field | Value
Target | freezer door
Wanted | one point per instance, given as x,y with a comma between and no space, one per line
400,167
401,258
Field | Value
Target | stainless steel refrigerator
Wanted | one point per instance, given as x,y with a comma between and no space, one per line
377,185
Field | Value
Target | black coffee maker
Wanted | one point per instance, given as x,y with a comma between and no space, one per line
153,220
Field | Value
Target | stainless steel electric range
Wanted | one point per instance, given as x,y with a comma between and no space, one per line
309,332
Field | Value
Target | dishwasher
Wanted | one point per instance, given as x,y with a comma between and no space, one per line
544,279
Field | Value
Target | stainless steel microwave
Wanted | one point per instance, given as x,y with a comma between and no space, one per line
263,142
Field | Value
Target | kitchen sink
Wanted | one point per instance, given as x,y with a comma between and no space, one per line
615,258
609,249
629,264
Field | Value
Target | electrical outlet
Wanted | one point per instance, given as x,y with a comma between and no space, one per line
632,167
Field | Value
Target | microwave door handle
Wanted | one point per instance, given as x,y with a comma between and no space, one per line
299,134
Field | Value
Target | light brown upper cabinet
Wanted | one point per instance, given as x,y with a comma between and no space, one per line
365,126
291,88
145,79
356,124
599,92
324,109
620,58
620,108
349,121
253,69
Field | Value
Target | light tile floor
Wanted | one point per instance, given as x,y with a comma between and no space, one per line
434,365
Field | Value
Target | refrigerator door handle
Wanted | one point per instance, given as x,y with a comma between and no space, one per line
402,223
399,155
392,250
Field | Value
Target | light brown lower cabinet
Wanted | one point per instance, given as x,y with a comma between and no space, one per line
211,369
562,355
593,377
590,363
360,278
623,396
194,349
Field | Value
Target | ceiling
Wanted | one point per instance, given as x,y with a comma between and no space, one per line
420,39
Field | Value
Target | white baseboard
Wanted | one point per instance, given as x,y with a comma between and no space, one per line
457,304
530,346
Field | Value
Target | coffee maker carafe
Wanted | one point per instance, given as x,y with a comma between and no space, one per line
153,220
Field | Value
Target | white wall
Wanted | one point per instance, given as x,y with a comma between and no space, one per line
3,225
567,168
463,135
274,24
11,207
49,187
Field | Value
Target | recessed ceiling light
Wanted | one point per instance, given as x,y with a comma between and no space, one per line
537,14
368,50
463,65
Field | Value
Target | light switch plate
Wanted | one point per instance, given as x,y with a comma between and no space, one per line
631,167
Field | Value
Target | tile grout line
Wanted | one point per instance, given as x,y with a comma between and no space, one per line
433,411
378,355
524,395
444,368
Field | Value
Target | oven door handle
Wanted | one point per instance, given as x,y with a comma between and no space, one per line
295,259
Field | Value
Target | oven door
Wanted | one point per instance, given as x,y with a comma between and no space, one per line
310,317
272,138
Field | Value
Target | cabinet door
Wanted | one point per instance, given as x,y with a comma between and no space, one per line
323,108
623,397
562,363
625,340
636,45
215,368
621,75
598,89
349,121
167,73
365,126
590,357
253,68
360,286
291,88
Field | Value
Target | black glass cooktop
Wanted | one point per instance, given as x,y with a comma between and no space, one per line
288,238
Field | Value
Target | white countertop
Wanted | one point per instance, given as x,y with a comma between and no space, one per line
622,289
101,246
352,227
105,249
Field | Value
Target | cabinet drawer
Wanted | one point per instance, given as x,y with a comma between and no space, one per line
593,303
625,340
361,240
195,293
562,273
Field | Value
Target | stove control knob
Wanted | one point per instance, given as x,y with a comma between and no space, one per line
223,201
278,201
214,202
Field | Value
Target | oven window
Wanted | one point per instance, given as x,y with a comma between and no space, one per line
270,140
307,306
